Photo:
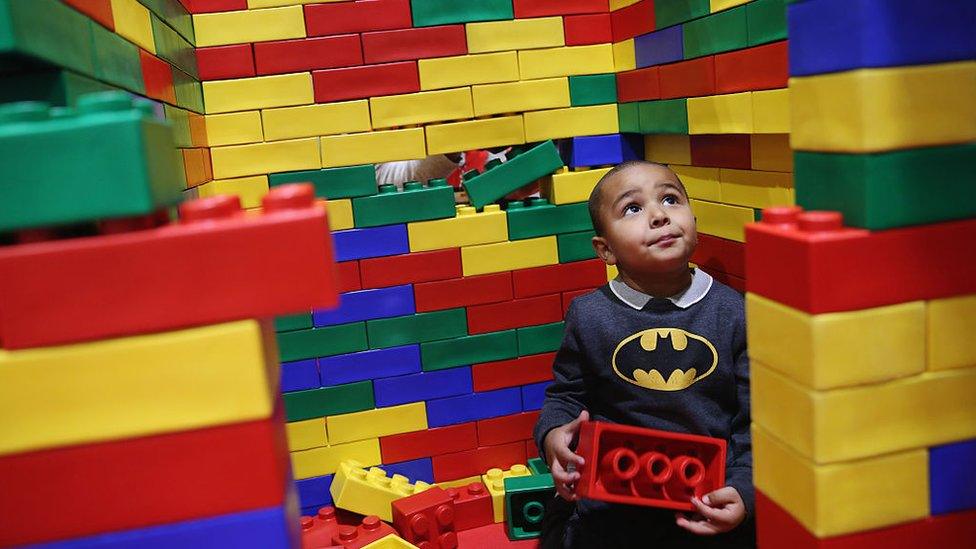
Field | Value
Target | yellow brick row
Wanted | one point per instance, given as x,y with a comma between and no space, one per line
315,120
668,149
325,460
517,34
377,423
249,189
771,111
340,214
236,128
565,61
475,134
509,256
132,22
756,189
465,70
722,220
729,113
571,122
771,152
701,183
950,324
306,434
527,95
260,92
567,187
373,147
468,228
264,158
624,56
241,27
417,108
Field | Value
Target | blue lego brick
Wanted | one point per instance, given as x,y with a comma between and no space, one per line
314,492
838,35
659,47
269,528
604,150
533,395
299,375
459,409
376,363
952,484
368,305
370,242
417,469
392,391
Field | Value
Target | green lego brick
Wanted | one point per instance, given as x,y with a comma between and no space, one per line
538,466
668,116
117,60
719,32
575,246
526,499
672,12
173,14
540,218
766,21
172,47
418,328
544,338
288,323
348,182
188,91
592,89
443,12
108,158
523,167
318,342
627,117
44,31
473,349
180,120
329,401
414,203
883,191
55,87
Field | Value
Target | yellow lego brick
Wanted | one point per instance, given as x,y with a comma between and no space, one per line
612,272
771,111
528,95
668,149
391,541
841,498
377,422
494,480
306,434
508,256
857,422
515,34
256,4
236,128
325,460
459,483
722,220
567,187
701,183
729,113
475,134
260,92
263,158
624,56
950,324
571,122
373,147
468,228
241,27
417,108
565,61
312,120
756,189
249,189
719,5
132,22
136,386
833,350
340,214
872,110
370,492
771,152
465,70
617,4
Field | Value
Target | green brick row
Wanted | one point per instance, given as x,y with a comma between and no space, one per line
288,323
188,91
318,342
173,14
669,116
472,349
592,89
540,218
330,183
117,60
766,21
414,203
173,48
418,328
523,167
329,401
47,31
544,338
672,12
442,12
179,119
719,32
575,246
628,118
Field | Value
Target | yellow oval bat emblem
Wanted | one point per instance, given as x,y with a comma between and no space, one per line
651,378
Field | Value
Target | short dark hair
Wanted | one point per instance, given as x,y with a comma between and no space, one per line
596,196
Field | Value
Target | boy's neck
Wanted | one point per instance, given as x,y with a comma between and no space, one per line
661,285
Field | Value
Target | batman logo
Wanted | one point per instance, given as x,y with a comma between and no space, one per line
645,357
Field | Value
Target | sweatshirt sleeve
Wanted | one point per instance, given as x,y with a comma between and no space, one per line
739,463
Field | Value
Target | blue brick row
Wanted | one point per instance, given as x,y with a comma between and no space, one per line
371,242
368,305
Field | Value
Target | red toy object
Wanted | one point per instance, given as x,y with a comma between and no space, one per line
472,506
568,297
512,372
220,62
475,462
358,16
722,151
810,261
638,466
639,85
99,10
505,429
690,78
379,272
720,254
414,43
427,519
582,30
514,314
492,536
365,81
542,8
317,531
737,283
759,68
370,530
157,75
439,440
326,52
217,264
462,292
633,20
559,278
347,276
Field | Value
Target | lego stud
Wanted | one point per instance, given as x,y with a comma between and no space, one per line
307,523
444,515
656,467
327,513
413,186
210,208
517,205
347,534
537,201
781,215
419,524
293,196
110,101
812,222
466,210
372,522
519,469
690,471
619,464
388,188
439,182
533,511
447,540
24,111
493,163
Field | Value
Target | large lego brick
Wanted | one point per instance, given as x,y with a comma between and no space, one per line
144,481
540,339
426,517
771,111
467,228
188,90
259,92
603,150
451,353
347,277
716,33
475,134
507,256
359,16
240,27
299,375
534,395
517,34
236,128
521,169
472,407
624,58
418,328
117,60
542,8
131,21
559,278
669,116
369,492
478,460
539,218
429,442
368,304
721,114
668,149
416,108
721,151
766,21
701,183
565,61
722,220
679,11
690,78
659,47
319,342
326,401
527,95
505,429
98,10
771,152
633,20
567,187
173,47
505,315
586,29
494,481
571,122
756,189
284,56
316,462
526,499
951,485
638,85
309,433
332,183
377,423
947,321
488,376
312,120
373,147
758,68
411,268
727,256
370,242
46,32
415,202
462,292
402,389
261,158
365,81
413,43
314,492
367,365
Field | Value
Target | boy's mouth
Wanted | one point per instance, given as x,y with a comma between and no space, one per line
665,240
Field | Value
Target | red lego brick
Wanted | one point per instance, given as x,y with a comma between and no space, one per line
211,6
721,151
392,270
216,265
143,481
593,28
810,261
633,20
512,372
472,506
568,297
431,442
559,278
358,16
157,75
221,62
326,52
531,450
318,531
99,10
493,536
462,292
427,519
639,85
637,466
477,461
720,254
505,429
543,8
690,78
759,68
415,43
365,81
517,313
355,537
347,276
737,283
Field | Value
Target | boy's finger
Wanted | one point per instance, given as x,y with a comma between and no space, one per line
709,513
565,455
702,528
721,497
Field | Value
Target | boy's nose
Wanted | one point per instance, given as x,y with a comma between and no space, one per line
658,218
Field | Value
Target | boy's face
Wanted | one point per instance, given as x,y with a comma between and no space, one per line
648,226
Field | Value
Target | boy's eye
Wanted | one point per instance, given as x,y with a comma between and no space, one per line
670,199
632,209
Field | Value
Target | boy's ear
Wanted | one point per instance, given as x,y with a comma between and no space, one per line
603,250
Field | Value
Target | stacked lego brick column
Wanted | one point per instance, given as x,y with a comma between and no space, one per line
863,371
705,82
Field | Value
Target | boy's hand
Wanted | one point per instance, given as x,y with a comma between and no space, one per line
563,461
718,512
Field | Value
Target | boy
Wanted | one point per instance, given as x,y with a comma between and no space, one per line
668,380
